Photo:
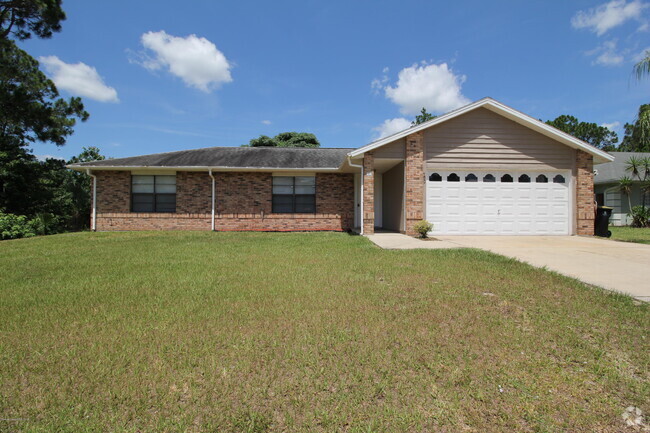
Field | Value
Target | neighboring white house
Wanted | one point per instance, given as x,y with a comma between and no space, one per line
606,181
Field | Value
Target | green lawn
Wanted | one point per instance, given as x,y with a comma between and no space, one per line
322,332
629,234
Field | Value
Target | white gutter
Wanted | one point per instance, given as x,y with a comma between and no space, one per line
93,223
213,197
361,193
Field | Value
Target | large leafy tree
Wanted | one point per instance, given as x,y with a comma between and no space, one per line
637,134
596,135
31,109
22,18
286,139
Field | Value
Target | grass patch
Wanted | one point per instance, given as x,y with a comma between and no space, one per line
292,332
631,234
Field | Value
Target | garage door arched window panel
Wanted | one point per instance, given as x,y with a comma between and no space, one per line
471,178
541,179
516,205
453,177
435,177
559,179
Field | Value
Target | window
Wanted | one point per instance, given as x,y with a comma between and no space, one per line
453,178
435,177
541,179
558,179
524,178
471,178
294,194
489,178
506,178
153,193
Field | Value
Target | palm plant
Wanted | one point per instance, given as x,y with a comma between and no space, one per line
625,187
640,169
643,67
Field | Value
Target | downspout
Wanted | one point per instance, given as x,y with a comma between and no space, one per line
360,166
93,220
213,198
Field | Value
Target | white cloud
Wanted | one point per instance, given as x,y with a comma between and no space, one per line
195,60
266,122
608,15
391,126
78,79
434,87
641,55
608,54
611,126
378,84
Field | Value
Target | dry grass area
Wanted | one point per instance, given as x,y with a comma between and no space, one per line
257,332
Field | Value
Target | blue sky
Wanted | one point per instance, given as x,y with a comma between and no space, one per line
159,76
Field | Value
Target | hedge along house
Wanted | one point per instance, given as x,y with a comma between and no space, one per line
482,169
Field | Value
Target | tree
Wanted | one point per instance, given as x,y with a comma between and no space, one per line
297,139
30,111
422,117
642,68
286,139
598,136
263,141
21,17
637,135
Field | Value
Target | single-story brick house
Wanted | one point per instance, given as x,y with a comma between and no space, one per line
606,181
484,168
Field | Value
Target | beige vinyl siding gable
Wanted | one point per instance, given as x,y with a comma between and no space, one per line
483,139
394,150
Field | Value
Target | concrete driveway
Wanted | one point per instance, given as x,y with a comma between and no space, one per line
620,266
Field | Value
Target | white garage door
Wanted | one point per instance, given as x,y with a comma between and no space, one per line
498,202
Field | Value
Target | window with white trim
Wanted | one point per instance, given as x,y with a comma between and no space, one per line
151,193
294,194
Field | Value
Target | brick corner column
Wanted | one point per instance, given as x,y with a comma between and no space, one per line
585,203
414,166
368,193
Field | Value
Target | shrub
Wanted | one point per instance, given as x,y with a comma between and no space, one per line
640,216
17,226
423,228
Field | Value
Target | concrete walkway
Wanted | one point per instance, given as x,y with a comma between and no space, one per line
620,266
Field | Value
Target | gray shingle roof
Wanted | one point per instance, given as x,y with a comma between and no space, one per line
612,171
233,157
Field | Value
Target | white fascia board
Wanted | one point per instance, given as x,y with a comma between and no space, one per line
507,112
193,168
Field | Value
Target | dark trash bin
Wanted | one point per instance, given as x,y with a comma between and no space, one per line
602,221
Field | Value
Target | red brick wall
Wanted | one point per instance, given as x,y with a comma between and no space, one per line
414,166
193,192
368,193
243,201
113,191
585,203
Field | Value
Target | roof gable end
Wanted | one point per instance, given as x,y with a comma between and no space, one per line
600,156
